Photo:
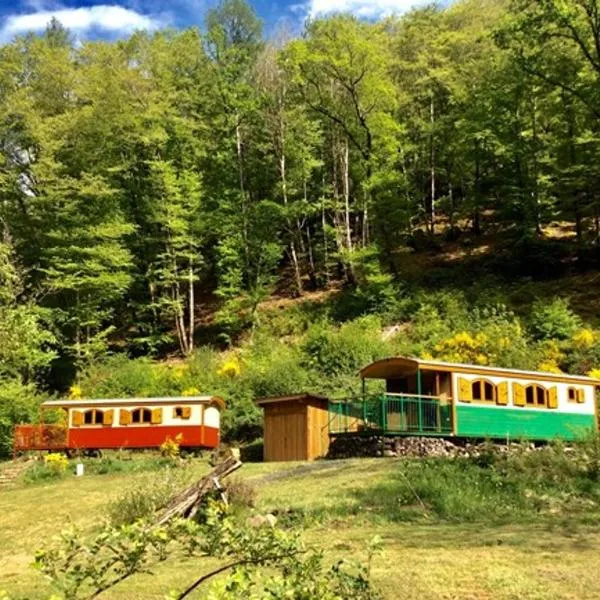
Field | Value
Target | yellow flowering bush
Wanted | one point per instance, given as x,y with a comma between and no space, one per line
56,462
584,338
464,348
594,373
193,391
179,371
549,366
230,368
171,447
75,392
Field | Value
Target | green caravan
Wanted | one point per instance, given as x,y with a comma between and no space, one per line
426,397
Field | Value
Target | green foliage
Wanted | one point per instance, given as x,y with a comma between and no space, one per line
338,353
151,493
81,568
19,403
492,485
553,320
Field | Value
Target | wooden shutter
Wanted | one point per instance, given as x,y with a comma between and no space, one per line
124,417
77,420
553,397
156,416
581,396
502,395
187,412
518,394
465,391
108,417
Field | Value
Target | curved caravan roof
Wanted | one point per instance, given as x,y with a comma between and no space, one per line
136,401
400,366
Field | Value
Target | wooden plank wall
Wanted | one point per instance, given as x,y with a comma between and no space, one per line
318,430
285,437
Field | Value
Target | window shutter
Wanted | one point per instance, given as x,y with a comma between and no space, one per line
502,397
465,392
581,396
156,416
108,417
77,418
518,394
124,417
187,412
553,397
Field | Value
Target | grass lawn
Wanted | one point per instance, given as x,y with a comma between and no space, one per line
549,557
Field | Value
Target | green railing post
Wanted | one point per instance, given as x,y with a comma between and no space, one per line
383,408
420,400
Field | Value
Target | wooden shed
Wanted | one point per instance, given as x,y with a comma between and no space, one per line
295,427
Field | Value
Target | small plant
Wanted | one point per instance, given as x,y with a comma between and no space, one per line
146,497
241,493
171,447
56,462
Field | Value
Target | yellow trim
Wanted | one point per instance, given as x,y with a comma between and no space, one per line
491,372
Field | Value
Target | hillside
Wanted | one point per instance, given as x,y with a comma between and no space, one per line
470,548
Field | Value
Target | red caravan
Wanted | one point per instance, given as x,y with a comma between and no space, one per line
126,423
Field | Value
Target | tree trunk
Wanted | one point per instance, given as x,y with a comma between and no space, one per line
432,140
242,177
190,345
284,191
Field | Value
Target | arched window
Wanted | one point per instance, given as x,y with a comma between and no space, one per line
141,415
483,391
93,417
536,395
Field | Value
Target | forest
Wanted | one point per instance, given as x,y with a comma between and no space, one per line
383,185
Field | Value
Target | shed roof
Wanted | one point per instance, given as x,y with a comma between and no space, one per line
289,398
401,366
135,401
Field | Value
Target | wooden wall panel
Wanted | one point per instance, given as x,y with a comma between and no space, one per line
285,436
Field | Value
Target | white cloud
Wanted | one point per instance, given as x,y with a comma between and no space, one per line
106,18
362,8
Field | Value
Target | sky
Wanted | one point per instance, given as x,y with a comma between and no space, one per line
110,19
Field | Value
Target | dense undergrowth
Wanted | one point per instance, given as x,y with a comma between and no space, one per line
319,347
303,349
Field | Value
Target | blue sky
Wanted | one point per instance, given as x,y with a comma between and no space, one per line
118,18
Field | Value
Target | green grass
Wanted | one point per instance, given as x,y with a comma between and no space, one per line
542,555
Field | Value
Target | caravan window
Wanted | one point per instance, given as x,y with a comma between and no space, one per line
93,417
536,395
483,391
141,415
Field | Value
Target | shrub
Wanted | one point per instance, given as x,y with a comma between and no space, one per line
54,466
344,351
553,320
147,496
252,452
56,462
171,446
240,493
19,403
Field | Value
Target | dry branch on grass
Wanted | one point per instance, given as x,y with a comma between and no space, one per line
187,503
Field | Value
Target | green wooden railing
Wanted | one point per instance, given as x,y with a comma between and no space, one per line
393,414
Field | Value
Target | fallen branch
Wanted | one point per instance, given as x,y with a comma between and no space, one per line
187,503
